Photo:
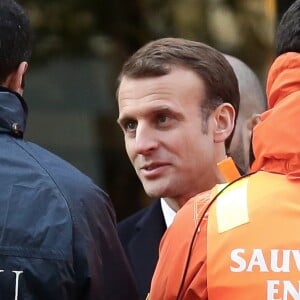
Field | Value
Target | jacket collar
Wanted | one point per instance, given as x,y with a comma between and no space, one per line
153,211
13,113
144,244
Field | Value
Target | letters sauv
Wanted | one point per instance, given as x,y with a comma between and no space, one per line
267,261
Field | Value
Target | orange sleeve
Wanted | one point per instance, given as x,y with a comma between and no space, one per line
173,256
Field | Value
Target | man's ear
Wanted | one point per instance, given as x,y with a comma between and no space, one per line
224,122
15,80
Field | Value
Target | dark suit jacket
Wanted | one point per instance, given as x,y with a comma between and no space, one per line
140,235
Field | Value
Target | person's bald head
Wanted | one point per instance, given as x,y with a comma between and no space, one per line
252,104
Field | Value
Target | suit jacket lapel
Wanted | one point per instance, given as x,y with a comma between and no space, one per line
143,247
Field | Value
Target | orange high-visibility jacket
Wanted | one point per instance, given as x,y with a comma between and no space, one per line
247,246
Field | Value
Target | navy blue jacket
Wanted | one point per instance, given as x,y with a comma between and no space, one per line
57,229
140,235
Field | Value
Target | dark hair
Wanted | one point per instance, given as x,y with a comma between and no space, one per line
15,37
288,31
157,58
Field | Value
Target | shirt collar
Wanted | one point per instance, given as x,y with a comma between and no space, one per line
168,213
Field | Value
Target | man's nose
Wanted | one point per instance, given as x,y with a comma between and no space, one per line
146,139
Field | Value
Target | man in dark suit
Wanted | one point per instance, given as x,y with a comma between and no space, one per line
141,233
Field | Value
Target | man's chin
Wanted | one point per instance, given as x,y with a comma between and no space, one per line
153,192
159,188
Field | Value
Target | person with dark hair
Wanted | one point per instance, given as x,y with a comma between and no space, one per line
287,35
58,238
178,101
238,241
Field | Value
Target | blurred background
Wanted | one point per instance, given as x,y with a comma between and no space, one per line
79,48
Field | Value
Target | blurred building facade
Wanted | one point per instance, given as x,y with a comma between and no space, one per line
79,48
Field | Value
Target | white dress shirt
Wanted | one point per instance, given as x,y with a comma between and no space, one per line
168,213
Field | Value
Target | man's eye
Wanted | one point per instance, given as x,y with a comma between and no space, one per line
130,126
162,118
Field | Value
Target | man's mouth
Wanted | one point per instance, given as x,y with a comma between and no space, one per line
153,169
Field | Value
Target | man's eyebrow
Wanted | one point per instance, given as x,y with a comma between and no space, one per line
166,110
155,110
161,109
